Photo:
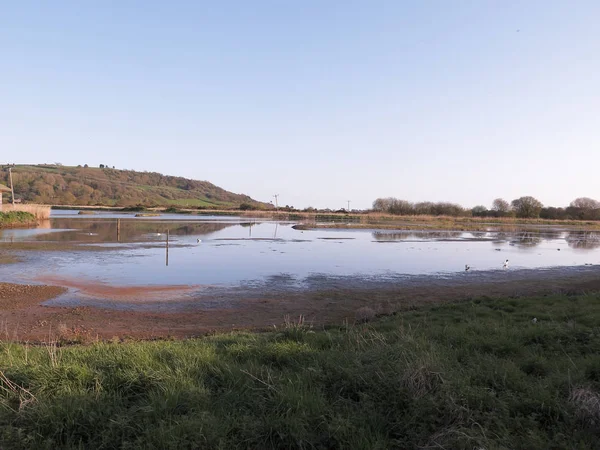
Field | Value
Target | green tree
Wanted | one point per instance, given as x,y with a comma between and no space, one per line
479,211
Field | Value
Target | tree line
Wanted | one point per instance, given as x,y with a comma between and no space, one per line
582,208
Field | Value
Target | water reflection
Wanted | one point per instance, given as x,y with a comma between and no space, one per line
583,239
247,250
527,239
248,225
125,230
383,236
500,238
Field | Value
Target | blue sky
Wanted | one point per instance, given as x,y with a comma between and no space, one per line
318,101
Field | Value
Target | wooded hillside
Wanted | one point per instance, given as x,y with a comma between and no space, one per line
63,185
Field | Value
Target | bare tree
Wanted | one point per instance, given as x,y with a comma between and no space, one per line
585,203
500,205
527,207
382,204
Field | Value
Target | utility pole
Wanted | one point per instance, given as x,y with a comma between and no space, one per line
348,206
276,204
12,191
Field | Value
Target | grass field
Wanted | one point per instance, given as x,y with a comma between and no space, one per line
473,375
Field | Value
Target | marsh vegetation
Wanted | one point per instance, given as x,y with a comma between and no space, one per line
505,373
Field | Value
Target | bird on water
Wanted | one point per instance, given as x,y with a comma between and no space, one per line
505,265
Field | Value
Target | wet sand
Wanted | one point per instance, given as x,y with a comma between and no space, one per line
325,301
137,294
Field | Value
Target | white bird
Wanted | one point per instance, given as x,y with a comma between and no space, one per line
199,240
534,320
505,264
467,267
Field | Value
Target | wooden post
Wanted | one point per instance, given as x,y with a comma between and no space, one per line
167,249
12,191
118,230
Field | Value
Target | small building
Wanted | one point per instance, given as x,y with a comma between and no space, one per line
3,189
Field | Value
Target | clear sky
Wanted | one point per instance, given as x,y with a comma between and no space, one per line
319,101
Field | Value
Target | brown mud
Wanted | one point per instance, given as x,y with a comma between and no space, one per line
23,317
120,293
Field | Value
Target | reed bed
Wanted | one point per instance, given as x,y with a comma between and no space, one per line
41,212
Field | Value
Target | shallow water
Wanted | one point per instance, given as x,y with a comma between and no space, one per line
236,251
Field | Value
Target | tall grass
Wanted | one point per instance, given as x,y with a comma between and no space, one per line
480,374
41,212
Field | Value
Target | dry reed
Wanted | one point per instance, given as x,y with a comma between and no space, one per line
41,212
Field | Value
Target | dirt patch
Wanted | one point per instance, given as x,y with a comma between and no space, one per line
19,296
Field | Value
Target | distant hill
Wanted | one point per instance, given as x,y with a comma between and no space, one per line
64,185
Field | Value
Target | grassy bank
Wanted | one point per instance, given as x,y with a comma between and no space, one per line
10,219
480,374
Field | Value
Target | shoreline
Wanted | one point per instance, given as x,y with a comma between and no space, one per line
328,301
364,220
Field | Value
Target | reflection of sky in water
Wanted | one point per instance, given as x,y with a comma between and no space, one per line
235,249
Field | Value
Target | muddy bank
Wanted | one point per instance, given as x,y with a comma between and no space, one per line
19,296
322,301
134,294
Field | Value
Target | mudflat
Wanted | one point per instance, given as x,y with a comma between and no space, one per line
19,296
24,317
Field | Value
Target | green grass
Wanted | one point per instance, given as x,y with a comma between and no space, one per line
463,376
194,203
16,218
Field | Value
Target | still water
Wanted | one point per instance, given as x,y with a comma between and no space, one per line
123,250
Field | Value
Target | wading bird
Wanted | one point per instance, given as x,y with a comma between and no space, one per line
467,267
505,264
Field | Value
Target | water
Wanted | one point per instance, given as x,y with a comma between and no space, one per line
239,251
